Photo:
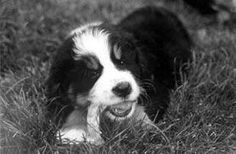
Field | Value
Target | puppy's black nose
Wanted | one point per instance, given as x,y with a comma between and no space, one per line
122,89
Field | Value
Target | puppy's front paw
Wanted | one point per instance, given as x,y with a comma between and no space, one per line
76,136
71,136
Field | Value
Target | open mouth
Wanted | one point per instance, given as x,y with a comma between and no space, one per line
121,109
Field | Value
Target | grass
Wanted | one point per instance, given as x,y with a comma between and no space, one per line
202,112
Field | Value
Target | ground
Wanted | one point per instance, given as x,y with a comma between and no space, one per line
202,112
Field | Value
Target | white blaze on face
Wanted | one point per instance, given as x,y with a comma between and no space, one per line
94,41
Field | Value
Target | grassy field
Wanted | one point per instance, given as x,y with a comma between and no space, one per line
202,113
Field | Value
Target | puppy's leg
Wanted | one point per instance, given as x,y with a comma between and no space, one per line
81,126
93,119
74,129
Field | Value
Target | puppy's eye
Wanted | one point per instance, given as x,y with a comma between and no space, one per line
121,62
95,73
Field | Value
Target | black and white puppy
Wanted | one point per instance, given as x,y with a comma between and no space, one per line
124,70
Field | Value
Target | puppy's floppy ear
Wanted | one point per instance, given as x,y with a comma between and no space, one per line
58,81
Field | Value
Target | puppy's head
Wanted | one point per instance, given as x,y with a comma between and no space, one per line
98,64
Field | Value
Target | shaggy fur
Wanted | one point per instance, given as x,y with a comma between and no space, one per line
136,61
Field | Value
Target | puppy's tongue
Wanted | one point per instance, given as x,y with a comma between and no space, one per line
120,110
